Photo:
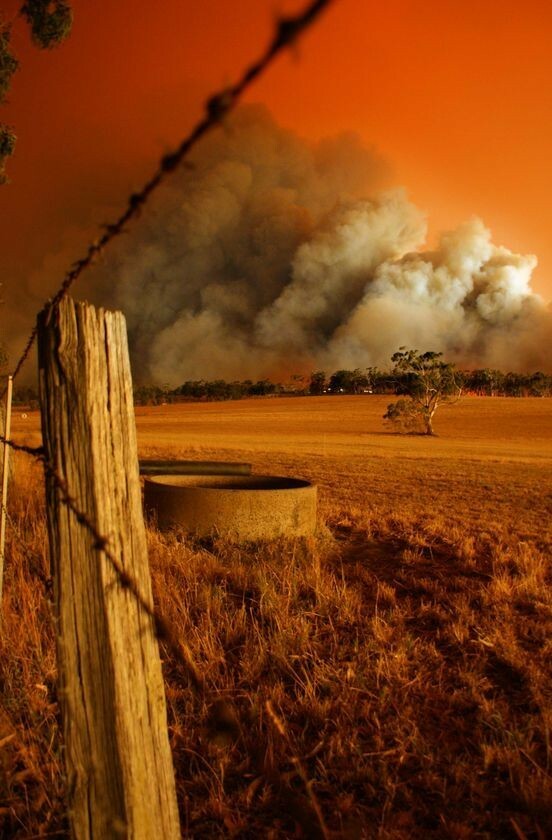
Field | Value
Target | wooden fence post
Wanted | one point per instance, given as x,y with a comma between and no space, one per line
120,778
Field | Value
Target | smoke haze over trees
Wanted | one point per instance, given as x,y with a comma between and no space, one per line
267,249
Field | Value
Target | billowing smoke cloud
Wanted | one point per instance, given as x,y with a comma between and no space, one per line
270,255
469,298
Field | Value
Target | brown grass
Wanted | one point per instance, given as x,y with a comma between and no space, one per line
393,671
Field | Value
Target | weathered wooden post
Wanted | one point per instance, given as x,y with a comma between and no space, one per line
120,778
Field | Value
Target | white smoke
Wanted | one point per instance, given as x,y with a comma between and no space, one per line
267,256
469,298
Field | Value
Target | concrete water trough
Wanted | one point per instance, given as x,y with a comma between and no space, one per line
242,507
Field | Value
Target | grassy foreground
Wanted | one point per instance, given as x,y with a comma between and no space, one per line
388,678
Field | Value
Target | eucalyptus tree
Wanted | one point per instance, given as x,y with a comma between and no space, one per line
425,381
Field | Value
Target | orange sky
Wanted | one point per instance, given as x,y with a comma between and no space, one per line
455,94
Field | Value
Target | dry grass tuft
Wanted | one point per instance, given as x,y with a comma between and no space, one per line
31,776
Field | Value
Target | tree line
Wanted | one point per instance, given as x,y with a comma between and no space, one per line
483,382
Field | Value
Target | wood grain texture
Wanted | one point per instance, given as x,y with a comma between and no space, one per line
119,767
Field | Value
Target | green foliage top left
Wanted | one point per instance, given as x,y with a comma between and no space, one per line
7,141
8,63
50,21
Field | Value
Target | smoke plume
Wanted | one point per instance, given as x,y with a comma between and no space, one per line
268,254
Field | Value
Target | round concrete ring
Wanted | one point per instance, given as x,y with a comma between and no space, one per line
254,507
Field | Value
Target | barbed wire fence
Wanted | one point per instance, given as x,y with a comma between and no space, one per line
218,106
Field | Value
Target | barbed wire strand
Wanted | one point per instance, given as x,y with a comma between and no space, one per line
33,451
219,105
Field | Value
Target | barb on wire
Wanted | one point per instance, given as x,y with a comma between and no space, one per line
218,105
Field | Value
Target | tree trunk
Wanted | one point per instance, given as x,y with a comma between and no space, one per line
120,780
429,422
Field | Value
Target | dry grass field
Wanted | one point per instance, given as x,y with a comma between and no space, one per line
388,678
